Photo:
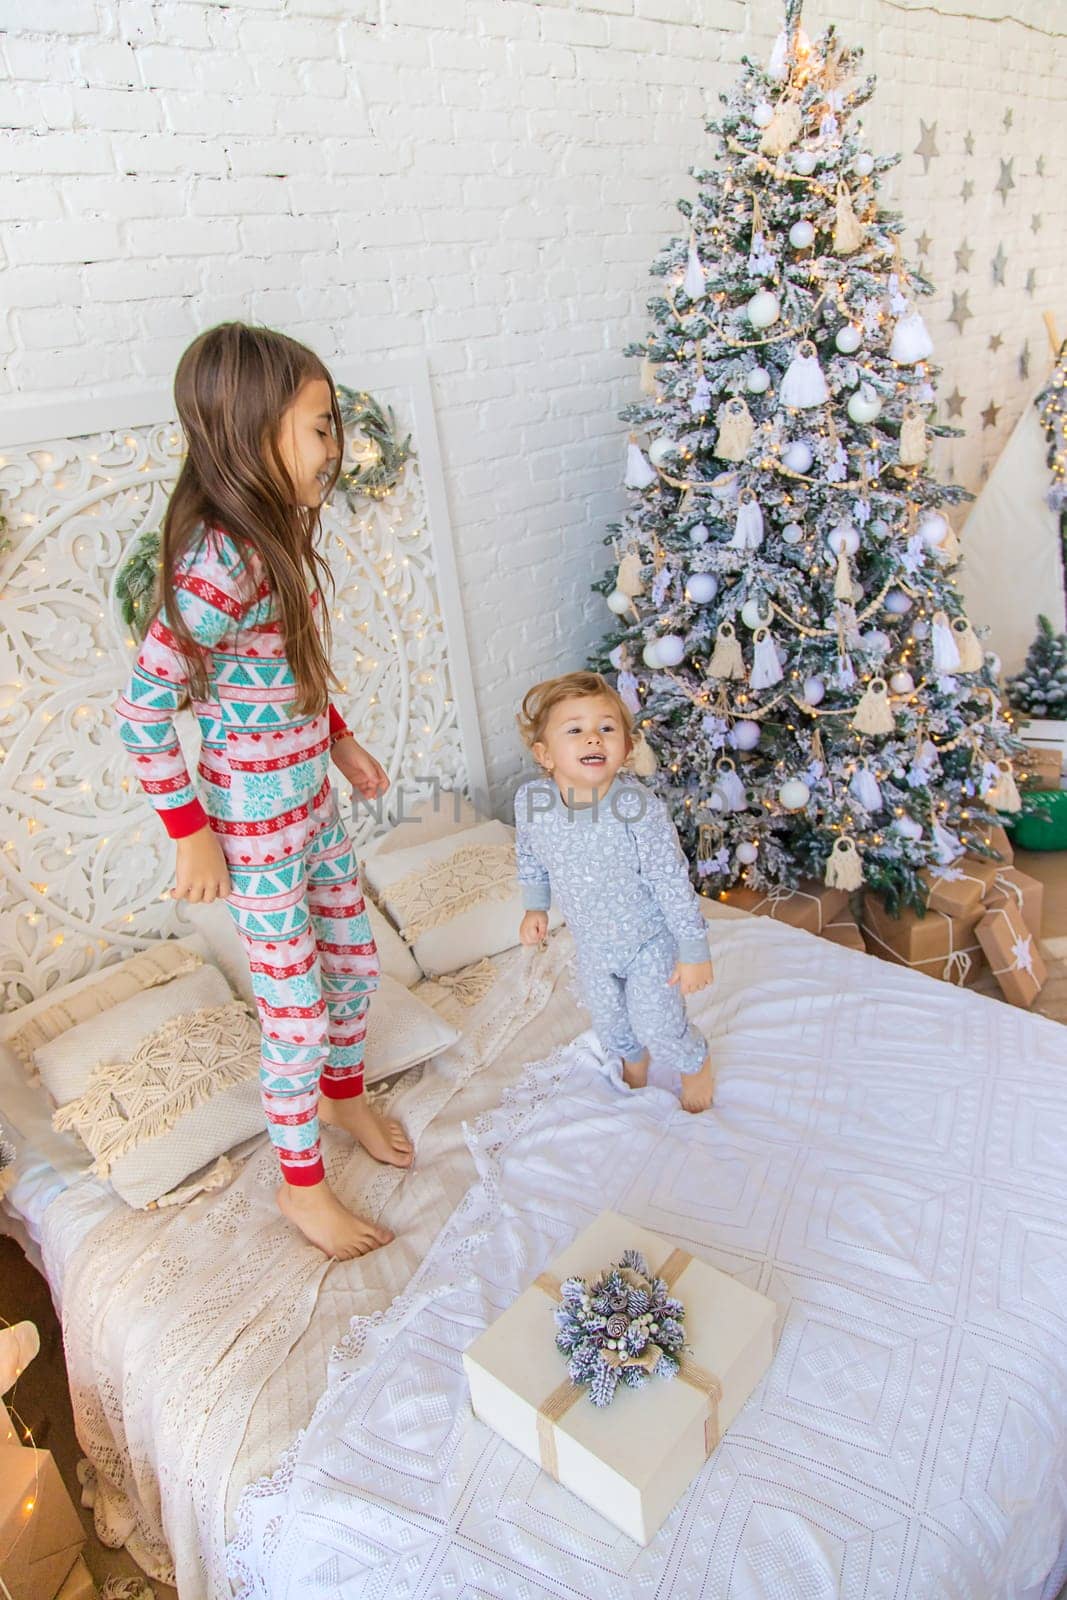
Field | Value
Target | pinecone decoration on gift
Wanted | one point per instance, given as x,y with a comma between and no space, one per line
623,1327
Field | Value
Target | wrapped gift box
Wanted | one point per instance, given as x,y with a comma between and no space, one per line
845,930
959,888
630,1460
937,944
41,1535
1039,768
1019,889
78,1584
1012,952
811,905
996,838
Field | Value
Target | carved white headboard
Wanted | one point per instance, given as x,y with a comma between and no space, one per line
84,865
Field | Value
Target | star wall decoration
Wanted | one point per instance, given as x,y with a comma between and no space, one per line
924,243
1024,360
968,189
990,414
955,402
961,312
927,145
995,341
1031,281
963,257
998,263
1006,181
968,143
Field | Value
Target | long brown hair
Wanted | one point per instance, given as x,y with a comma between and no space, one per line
232,387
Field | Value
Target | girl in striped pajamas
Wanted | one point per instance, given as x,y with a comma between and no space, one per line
243,633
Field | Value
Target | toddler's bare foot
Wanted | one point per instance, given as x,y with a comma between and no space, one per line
698,1088
324,1221
635,1073
381,1137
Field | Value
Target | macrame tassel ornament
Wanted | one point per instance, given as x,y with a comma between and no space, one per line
736,428
804,384
865,789
848,230
971,654
843,577
642,760
693,282
1003,793
639,471
766,667
946,651
730,786
874,714
726,659
783,130
748,529
844,869
911,340
629,578
913,442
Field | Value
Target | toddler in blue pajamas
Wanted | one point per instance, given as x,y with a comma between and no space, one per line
605,847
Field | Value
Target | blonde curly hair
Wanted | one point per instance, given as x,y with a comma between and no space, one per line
538,703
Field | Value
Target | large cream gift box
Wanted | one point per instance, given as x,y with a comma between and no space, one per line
633,1459
41,1534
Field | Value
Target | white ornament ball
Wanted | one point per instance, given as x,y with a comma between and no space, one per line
660,450
864,405
897,603
797,456
699,534
920,629
804,162
762,113
863,165
902,683
848,339
814,690
908,827
876,642
746,852
618,602
758,381
793,533
701,587
745,735
670,650
650,654
801,235
763,309
843,537
794,794
753,617
934,528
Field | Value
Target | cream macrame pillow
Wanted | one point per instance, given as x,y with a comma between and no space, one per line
456,899
188,1093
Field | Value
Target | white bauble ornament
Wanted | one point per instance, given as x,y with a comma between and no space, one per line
661,449
699,534
865,404
650,654
843,537
701,587
814,690
902,683
762,113
763,309
876,642
911,340
745,735
897,603
618,602
753,617
794,794
801,235
933,528
908,828
920,629
804,162
758,381
670,650
746,852
793,533
848,339
797,456
863,165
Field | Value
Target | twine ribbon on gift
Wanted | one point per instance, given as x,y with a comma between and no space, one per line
957,965
563,1397
1022,951
780,895
1009,886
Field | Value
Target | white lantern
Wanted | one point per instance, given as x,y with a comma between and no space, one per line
801,235
793,533
897,603
701,587
804,162
661,449
797,456
650,654
794,794
814,690
618,602
699,534
902,682
863,165
848,339
762,113
670,650
745,735
843,537
753,617
758,381
864,405
746,852
763,309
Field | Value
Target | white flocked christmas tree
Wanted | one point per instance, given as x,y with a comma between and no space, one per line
787,628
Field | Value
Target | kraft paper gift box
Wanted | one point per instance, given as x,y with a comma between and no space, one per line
845,930
1012,952
41,1535
633,1459
996,838
1039,768
78,1584
811,905
941,946
960,887
1019,889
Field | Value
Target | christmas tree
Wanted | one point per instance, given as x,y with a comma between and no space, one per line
1040,689
789,634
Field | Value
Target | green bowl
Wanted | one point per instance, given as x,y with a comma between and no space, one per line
1034,833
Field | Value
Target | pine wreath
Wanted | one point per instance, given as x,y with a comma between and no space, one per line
624,1327
372,445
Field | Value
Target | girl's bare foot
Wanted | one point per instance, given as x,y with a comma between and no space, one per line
381,1137
698,1088
323,1220
635,1073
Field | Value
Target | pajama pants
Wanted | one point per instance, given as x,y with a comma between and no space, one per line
633,1006
299,908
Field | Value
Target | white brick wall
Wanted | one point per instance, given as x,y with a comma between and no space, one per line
485,180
